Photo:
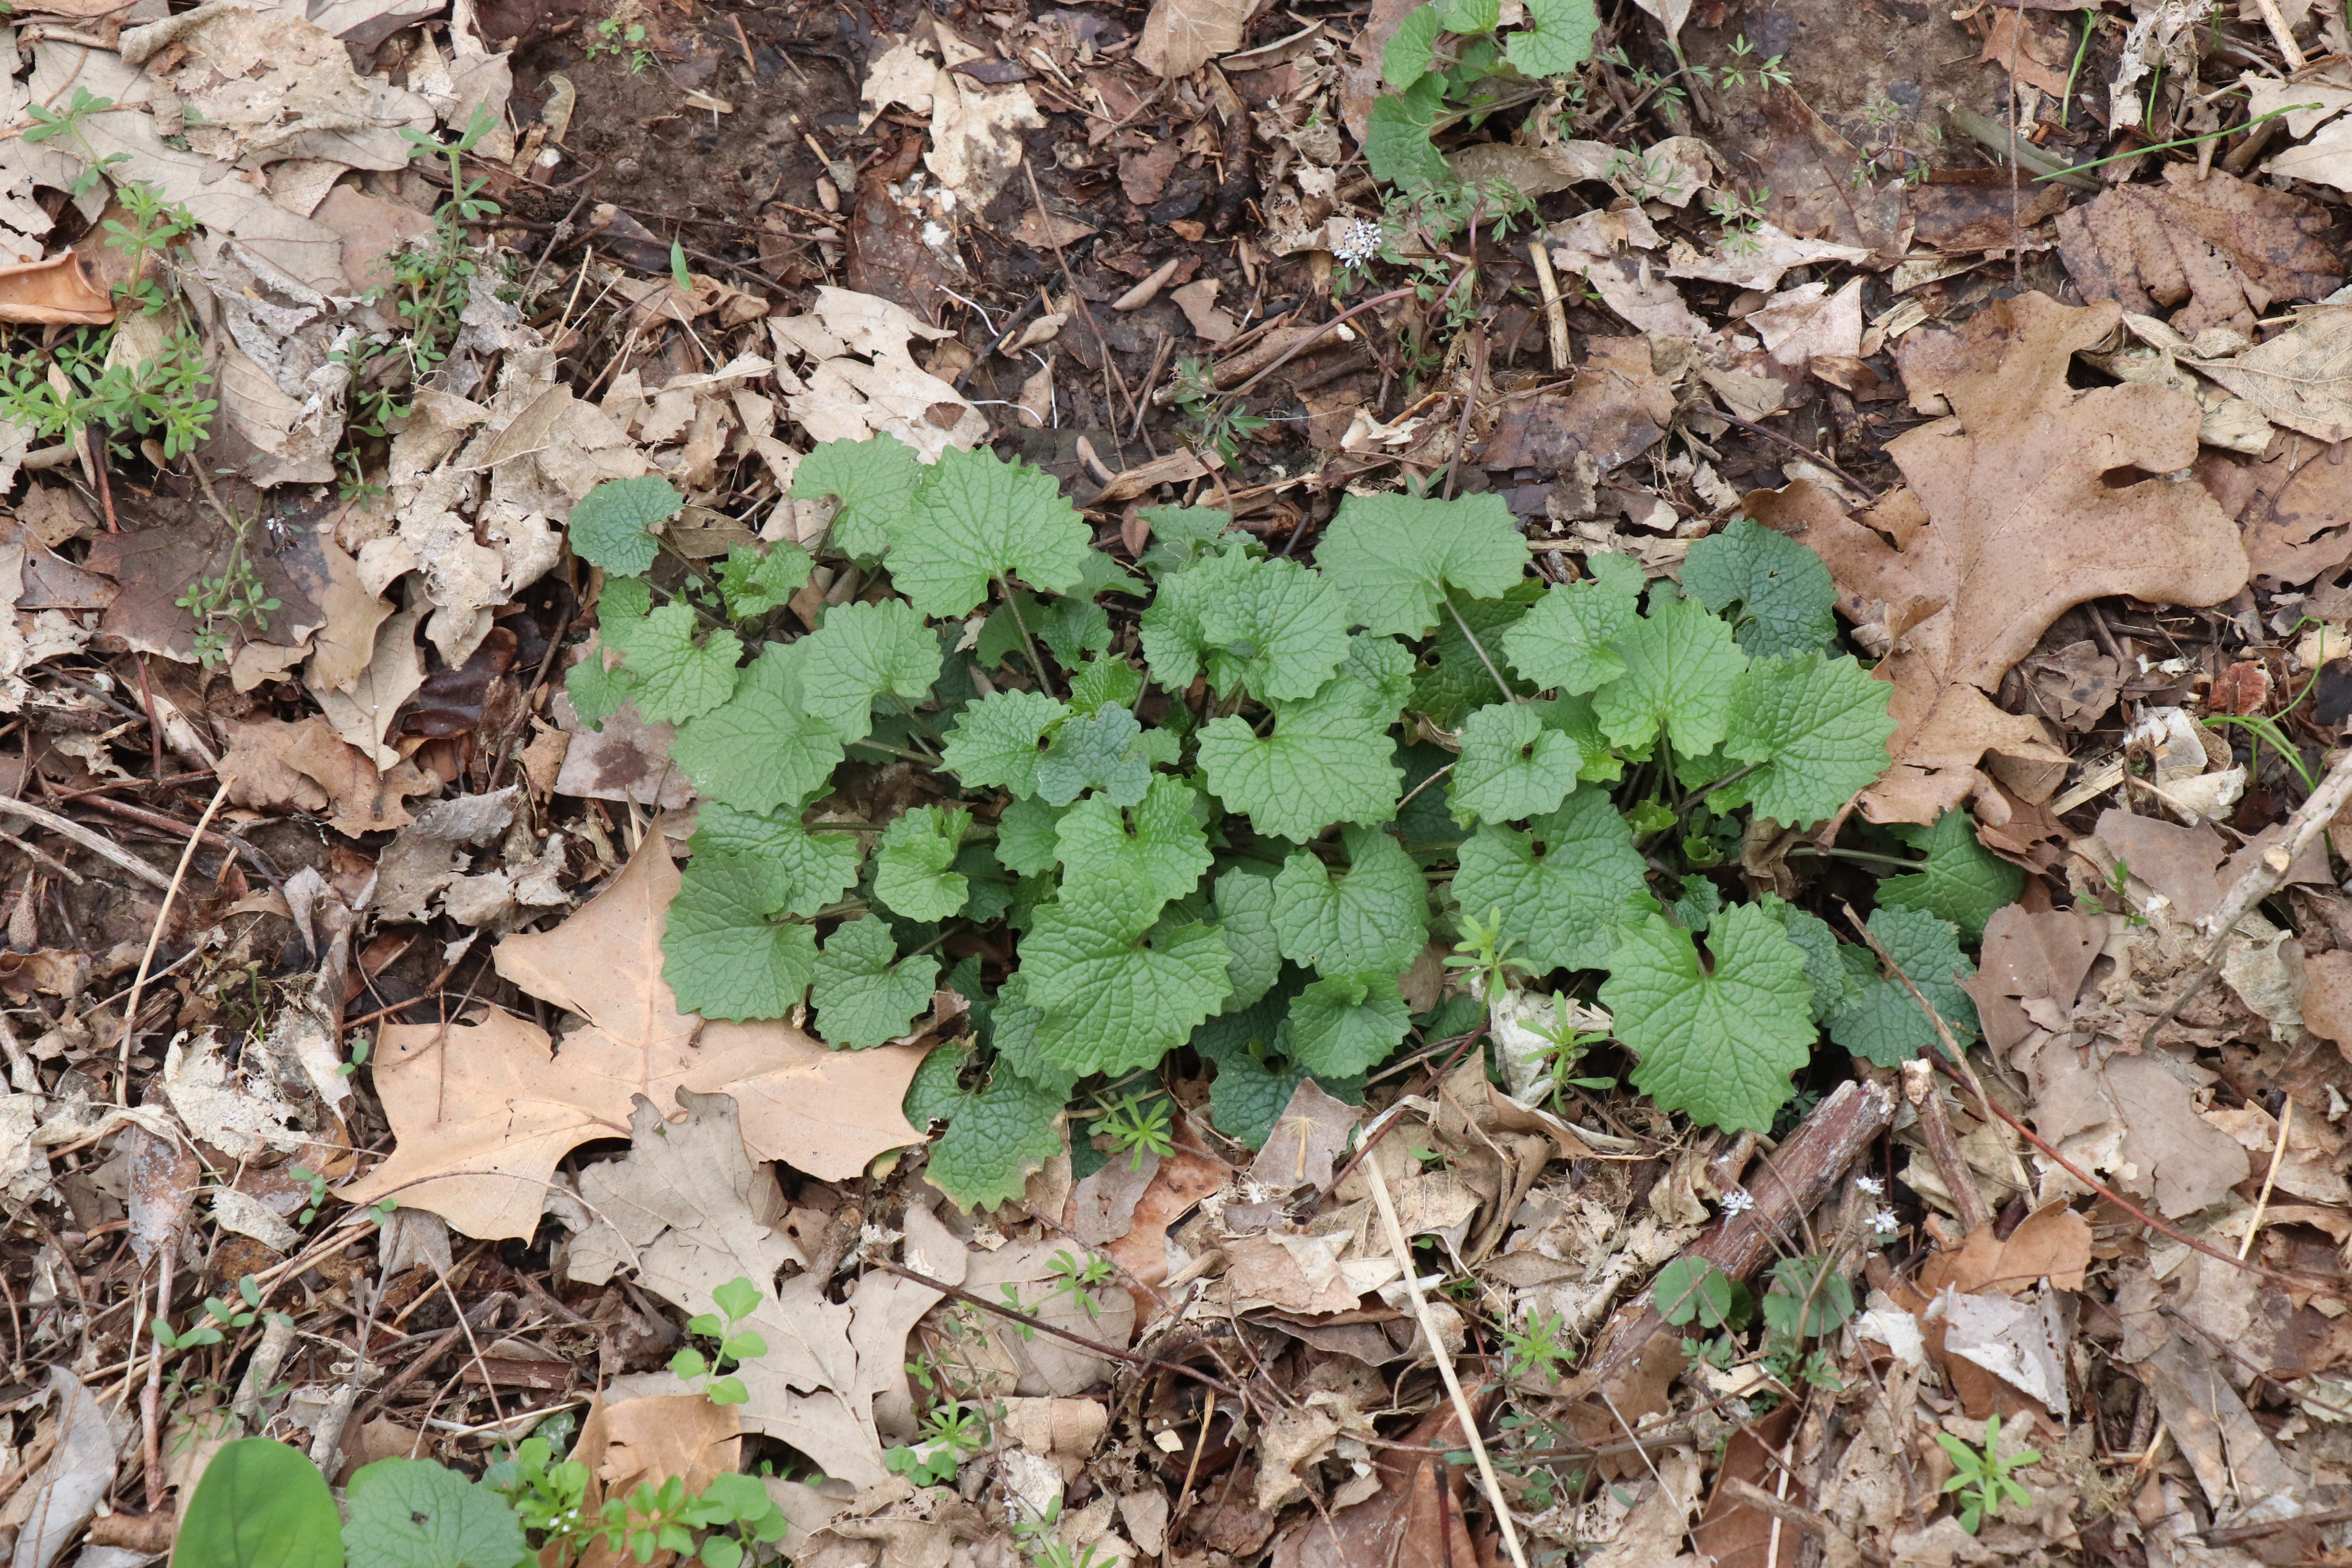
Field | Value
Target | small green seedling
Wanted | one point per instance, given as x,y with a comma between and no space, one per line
735,1300
1535,1346
1138,1125
1982,1479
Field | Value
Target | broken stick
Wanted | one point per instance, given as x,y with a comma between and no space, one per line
1800,1175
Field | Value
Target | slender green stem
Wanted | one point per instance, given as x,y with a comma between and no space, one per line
1036,665
887,749
2065,105
1480,648
2169,146
1861,855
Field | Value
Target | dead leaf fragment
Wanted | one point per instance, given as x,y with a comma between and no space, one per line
2025,521
2302,378
484,1110
1180,36
63,288
2229,247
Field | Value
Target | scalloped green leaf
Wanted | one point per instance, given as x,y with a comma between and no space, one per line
998,742
1345,1024
1375,916
723,953
1819,729
1511,766
1112,1001
1159,842
1881,1021
976,520
760,749
755,584
1393,556
1329,759
1559,37
861,652
866,996
1960,880
913,864
612,525
1098,750
1720,1044
874,482
1565,641
1783,590
1245,918
1562,886
811,870
676,678
995,1139
1411,49
1681,671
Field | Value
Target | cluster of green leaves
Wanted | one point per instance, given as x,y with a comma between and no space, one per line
161,398
1216,821
1809,1299
1447,62
1982,1475
261,1502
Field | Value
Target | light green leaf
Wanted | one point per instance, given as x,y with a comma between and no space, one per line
1375,917
760,749
1246,920
260,1505
1573,717
597,692
722,953
1681,669
1825,969
997,741
1016,1028
976,520
1345,1024
1409,55
414,1513
1818,726
1563,886
1474,15
995,1137
1396,137
1096,751
874,481
1450,679
1028,836
1881,1022
1279,629
1182,535
755,584
810,870
1392,556
911,864
1328,760
1565,641
1383,667
1170,629
1511,766
1961,879
676,679
1112,1003
612,525
862,651
1105,682
1157,842
1719,1045
1559,37
624,599
863,998
1783,589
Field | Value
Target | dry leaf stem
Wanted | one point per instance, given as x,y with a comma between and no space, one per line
1468,1417
155,936
2259,881
104,848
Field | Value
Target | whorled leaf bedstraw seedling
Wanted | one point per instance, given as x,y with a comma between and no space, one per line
1196,804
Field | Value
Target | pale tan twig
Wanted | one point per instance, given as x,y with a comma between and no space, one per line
1468,1417
154,936
104,848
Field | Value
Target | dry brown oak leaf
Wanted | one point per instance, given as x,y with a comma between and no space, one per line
2037,497
483,1110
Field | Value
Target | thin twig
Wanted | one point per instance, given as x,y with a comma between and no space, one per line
104,848
155,936
2258,883
1468,1417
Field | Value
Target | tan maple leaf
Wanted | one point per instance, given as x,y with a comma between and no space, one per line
483,1110
2036,497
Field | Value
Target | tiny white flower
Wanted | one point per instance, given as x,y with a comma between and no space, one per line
1738,1200
1870,1184
1885,1223
1359,245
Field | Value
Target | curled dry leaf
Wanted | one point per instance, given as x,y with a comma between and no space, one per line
64,289
483,1110
2038,497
